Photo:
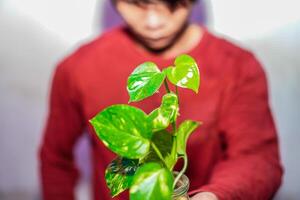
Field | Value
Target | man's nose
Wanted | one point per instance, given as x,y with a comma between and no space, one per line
154,20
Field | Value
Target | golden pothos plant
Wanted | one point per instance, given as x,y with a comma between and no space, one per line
147,151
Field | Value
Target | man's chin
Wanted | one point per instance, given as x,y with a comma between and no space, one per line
157,46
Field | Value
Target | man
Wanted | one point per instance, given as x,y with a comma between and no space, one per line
233,156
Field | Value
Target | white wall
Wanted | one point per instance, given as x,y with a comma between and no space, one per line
279,52
245,19
35,34
272,30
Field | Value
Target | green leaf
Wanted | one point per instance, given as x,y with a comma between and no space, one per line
185,74
170,105
164,142
144,81
124,129
166,113
185,129
119,174
152,182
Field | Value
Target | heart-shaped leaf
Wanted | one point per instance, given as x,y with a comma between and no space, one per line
124,129
185,129
185,74
144,81
164,142
152,182
119,174
166,113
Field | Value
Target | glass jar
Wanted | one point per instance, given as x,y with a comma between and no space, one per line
181,188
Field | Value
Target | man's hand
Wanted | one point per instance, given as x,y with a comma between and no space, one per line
205,196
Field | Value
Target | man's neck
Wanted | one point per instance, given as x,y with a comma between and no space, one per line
188,39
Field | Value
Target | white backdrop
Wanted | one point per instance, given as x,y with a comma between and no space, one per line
36,34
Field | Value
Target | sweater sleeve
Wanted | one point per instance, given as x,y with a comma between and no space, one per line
63,127
250,169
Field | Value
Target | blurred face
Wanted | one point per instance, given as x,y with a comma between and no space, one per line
154,24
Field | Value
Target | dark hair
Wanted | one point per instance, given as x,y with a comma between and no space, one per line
171,3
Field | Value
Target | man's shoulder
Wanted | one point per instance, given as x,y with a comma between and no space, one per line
228,47
105,42
231,54
230,60
98,49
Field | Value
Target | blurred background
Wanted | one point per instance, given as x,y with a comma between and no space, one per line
36,34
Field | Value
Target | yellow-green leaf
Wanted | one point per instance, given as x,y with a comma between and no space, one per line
124,129
152,182
185,73
119,174
185,129
144,81
161,117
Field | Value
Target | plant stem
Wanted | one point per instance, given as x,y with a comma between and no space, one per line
174,135
182,170
158,153
167,86
174,149
174,123
176,90
174,127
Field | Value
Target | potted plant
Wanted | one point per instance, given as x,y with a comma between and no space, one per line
146,147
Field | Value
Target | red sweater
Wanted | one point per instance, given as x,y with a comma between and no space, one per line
234,154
